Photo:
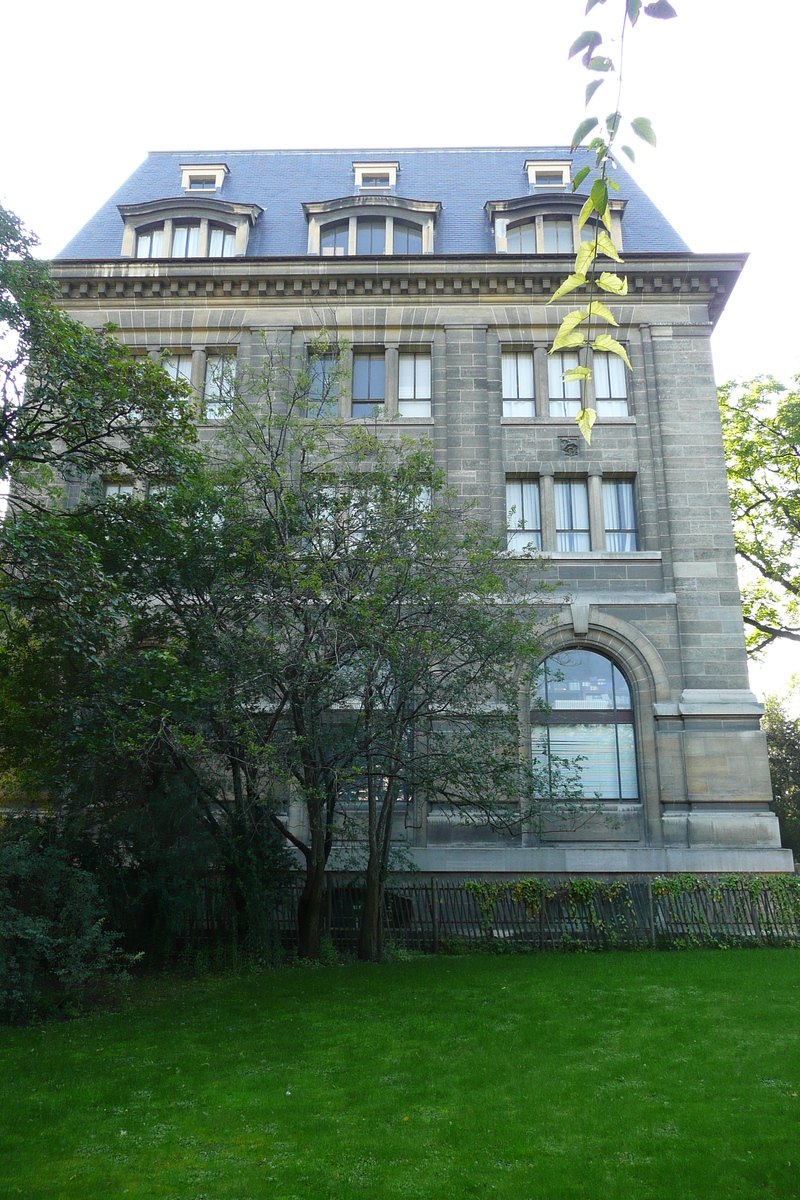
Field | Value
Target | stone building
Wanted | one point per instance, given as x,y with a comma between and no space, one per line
437,266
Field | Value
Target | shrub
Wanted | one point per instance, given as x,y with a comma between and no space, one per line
55,954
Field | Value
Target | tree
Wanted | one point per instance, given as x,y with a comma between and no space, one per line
73,399
761,435
306,618
783,745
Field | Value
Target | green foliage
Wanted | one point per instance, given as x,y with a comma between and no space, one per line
73,399
761,435
55,954
783,747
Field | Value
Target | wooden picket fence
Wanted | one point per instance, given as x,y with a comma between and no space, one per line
449,915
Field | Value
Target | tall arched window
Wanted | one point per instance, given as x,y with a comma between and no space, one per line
589,723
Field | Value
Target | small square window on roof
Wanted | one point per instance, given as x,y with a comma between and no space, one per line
203,177
552,174
375,176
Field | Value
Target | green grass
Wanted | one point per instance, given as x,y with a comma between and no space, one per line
607,1075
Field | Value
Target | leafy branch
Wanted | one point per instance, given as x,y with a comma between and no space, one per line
570,335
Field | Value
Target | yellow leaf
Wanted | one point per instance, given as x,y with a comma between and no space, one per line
577,373
572,320
569,285
585,213
606,246
566,341
605,342
612,283
596,309
585,420
584,257
606,220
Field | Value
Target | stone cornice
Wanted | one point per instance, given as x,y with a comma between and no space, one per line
189,205
379,200
668,278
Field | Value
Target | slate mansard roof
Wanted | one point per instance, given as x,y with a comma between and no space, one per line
281,181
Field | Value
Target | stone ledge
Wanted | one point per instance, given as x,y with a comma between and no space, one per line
569,860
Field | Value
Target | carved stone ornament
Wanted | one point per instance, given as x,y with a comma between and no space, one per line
569,445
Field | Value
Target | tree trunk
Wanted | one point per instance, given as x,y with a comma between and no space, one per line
309,909
369,947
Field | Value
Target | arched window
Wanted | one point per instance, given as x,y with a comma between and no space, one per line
407,238
589,724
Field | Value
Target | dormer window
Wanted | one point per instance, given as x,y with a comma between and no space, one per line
546,223
371,225
375,176
553,174
149,242
192,226
203,177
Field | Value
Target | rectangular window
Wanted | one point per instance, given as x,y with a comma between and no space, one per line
371,235
323,389
113,491
369,384
185,241
414,390
375,181
221,242
549,178
333,239
557,235
220,386
610,385
518,390
178,366
202,183
620,514
565,395
523,515
149,243
572,515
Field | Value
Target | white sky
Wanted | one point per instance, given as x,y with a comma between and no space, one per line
88,88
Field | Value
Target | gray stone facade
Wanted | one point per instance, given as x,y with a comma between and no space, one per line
668,614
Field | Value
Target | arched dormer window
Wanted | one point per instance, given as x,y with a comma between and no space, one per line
190,226
587,726
545,223
371,226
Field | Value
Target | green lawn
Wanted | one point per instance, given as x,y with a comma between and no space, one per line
608,1075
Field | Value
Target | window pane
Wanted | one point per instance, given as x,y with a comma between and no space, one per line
622,694
525,376
558,387
333,238
229,244
509,376
179,241
522,515
371,236
377,377
178,366
423,376
406,380
360,377
215,243
596,748
579,679
407,238
414,408
193,241
143,245
530,504
557,236
616,372
572,515
629,789
514,514
520,541
619,515
519,408
513,245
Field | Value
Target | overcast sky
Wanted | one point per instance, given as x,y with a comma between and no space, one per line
88,88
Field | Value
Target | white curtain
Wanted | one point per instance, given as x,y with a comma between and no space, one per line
572,515
620,516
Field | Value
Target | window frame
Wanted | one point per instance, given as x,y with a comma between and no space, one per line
421,389
515,405
219,402
375,404
613,405
191,226
572,533
147,231
523,522
556,366
329,398
627,533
